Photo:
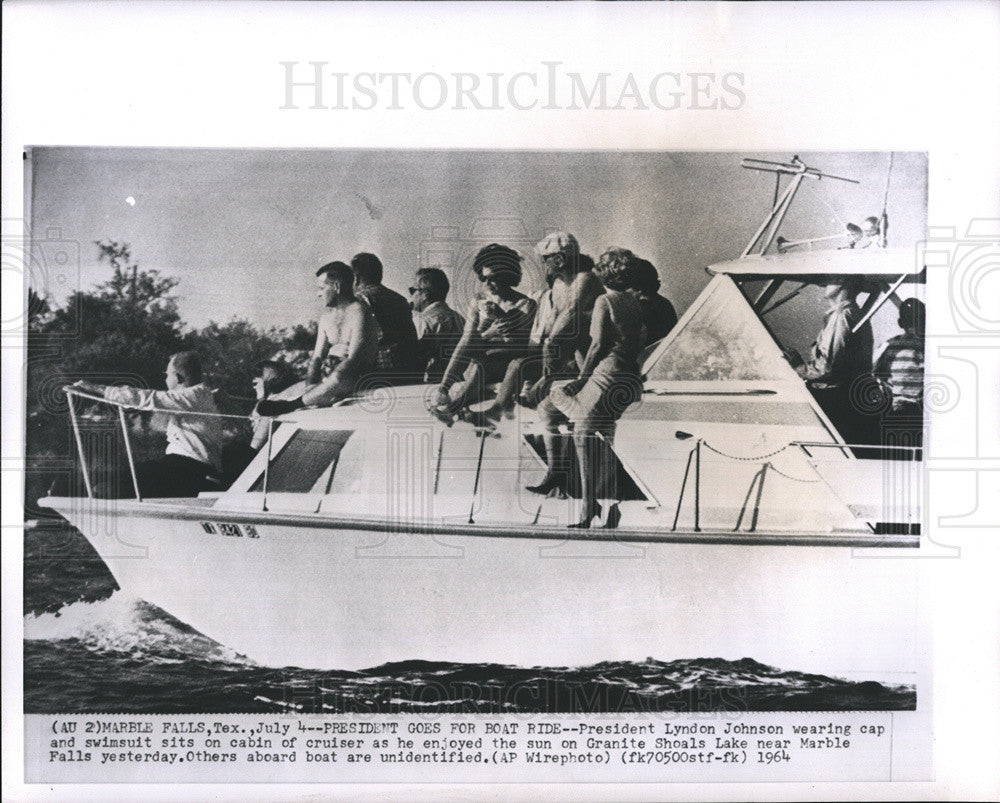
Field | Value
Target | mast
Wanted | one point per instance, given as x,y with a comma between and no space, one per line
798,170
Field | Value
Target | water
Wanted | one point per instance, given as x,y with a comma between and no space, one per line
91,648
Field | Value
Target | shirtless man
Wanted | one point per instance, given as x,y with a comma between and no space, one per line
346,344
568,338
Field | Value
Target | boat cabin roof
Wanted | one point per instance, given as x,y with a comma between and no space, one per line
875,263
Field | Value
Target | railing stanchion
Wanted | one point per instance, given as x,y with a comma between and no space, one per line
128,453
697,486
79,442
684,482
267,465
479,471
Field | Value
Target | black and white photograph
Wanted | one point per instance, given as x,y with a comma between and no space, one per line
608,402
474,430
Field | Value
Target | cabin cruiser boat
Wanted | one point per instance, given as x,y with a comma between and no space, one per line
371,531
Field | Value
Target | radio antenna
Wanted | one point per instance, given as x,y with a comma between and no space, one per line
883,221
798,170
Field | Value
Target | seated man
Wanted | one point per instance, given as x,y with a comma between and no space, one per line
397,342
194,442
658,313
837,359
346,345
439,327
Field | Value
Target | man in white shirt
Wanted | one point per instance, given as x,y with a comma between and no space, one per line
194,442
439,327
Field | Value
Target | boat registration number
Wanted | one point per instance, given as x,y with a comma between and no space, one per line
230,529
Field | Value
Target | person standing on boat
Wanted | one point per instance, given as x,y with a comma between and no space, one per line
900,366
439,327
497,327
609,381
194,442
398,352
838,358
658,315
346,345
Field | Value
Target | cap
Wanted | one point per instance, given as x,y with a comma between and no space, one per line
558,242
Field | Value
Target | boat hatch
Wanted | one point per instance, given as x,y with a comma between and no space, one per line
306,463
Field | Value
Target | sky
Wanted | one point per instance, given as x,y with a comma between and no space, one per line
245,230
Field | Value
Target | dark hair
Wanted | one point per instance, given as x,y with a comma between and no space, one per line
912,315
503,262
437,283
188,366
284,374
367,268
616,268
647,279
342,274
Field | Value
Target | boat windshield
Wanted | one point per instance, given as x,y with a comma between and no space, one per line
722,340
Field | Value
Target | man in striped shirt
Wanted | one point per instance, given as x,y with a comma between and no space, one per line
901,364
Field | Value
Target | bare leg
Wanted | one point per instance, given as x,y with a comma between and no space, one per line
605,472
335,387
471,388
588,447
519,371
556,475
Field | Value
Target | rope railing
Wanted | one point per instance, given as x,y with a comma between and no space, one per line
781,473
694,458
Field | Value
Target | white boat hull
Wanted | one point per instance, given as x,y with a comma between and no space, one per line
320,594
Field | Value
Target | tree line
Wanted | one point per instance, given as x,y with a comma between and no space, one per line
124,331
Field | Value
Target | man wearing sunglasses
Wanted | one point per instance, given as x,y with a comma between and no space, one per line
439,327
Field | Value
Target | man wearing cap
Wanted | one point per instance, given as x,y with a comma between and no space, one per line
838,358
439,327
497,328
568,339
